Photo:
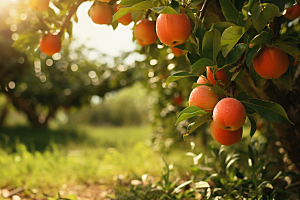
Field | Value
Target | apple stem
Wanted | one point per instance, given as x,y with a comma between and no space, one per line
202,10
161,2
68,18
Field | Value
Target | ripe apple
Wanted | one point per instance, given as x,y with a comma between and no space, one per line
229,114
39,5
271,62
144,32
293,12
173,30
203,80
50,44
203,98
126,19
178,52
225,137
101,13
220,75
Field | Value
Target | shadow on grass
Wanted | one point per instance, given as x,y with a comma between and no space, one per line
38,139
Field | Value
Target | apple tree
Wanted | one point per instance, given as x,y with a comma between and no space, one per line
224,36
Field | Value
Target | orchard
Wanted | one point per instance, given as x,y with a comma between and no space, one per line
227,66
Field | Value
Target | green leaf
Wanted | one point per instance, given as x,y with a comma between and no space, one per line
290,39
285,79
263,37
222,26
253,125
165,10
235,54
178,76
230,12
293,51
238,75
257,79
243,96
199,67
263,13
144,5
193,58
269,110
202,184
200,35
189,112
199,121
230,37
218,90
211,44
129,2
251,53
279,3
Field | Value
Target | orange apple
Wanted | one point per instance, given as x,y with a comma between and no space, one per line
173,30
293,12
39,5
144,32
101,13
50,44
126,19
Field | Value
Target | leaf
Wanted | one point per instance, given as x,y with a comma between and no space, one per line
293,51
189,112
263,37
129,2
165,10
235,54
257,79
250,55
202,184
243,96
218,90
230,12
230,37
199,121
211,44
200,35
177,76
144,5
222,26
269,110
263,13
238,75
279,3
285,79
179,188
253,125
193,58
199,67
290,39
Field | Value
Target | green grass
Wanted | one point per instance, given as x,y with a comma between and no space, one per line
43,160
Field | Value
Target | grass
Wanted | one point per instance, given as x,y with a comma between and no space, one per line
43,160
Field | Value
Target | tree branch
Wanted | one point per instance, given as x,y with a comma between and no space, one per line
204,6
68,18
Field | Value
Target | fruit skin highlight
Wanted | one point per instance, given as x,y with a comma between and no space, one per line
293,12
144,32
225,137
203,98
220,75
229,114
50,44
173,30
126,19
101,13
39,5
271,62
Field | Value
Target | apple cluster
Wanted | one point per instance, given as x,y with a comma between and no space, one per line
228,114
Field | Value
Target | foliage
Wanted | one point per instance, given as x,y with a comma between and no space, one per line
227,173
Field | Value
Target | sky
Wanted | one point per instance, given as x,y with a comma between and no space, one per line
102,37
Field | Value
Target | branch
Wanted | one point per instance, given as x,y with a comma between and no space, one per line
203,9
68,18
